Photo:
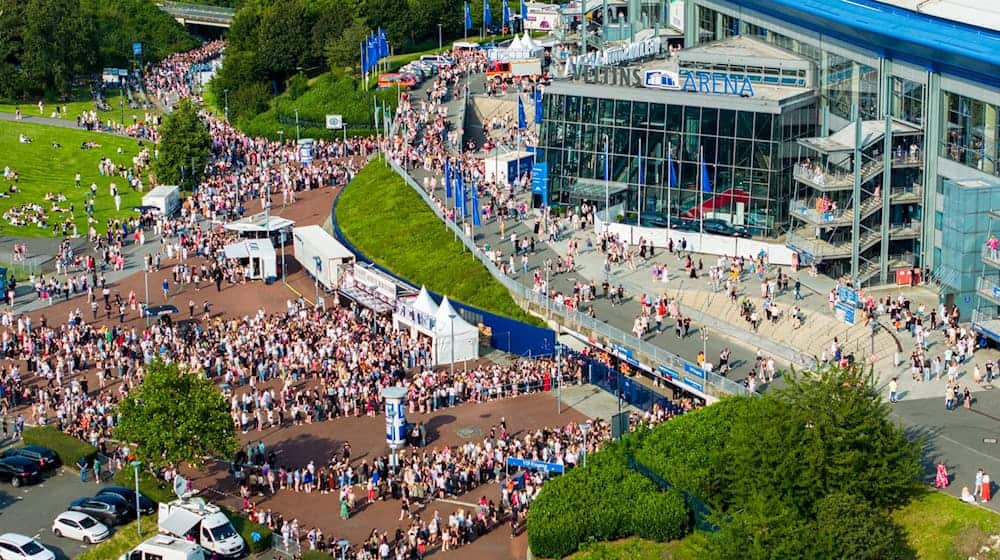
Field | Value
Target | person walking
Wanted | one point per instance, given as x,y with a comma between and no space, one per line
82,463
97,470
166,289
893,388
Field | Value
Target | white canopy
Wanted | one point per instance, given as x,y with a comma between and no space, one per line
528,43
453,336
516,44
424,303
262,261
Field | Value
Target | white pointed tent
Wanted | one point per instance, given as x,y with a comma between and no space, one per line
454,338
416,313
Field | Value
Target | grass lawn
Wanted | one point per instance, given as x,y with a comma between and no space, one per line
81,102
43,169
385,219
941,527
640,549
124,539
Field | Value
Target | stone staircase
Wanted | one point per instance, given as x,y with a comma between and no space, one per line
813,338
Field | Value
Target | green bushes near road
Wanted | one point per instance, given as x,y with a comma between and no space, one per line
247,528
69,448
604,501
123,540
153,488
389,222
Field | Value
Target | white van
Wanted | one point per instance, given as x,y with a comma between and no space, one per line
164,547
437,60
204,522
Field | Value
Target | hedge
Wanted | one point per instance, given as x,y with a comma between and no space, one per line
69,449
604,501
315,555
246,528
123,540
154,488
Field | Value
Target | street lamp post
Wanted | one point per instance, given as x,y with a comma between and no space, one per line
704,341
440,38
584,427
297,138
559,381
145,307
452,317
281,137
225,93
138,515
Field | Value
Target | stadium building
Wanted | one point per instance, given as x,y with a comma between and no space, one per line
862,135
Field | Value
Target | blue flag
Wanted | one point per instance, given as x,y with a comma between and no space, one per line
506,13
383,44
364,59
487,16
468,17
706,184
538,105
524,13
447,179
476,220
522,122
460,193
671,174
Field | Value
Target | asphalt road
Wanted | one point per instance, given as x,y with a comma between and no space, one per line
29,510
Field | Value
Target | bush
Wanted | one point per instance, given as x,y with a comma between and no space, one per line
661,516
246,528
315,555
123,540
152,487
69,449
602,502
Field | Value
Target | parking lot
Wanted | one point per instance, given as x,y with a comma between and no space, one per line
29,510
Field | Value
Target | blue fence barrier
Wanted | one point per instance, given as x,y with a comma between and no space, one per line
630,390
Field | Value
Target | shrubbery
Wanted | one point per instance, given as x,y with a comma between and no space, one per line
604,501
69,449
247,528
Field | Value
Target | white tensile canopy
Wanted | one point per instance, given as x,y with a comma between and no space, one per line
452,332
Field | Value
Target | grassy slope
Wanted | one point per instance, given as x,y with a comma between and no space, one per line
385,219
80,103
44,169
938,527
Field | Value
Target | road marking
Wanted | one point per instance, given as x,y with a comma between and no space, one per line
969,448
457,503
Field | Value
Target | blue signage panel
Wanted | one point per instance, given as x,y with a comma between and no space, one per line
137,49
540,181
996,292
848,296
694,384
694,370
667,372
845,312
715,83
535,465
625,354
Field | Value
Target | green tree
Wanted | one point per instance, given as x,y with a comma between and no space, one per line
762,528
849,528
57,46
176,416
344,53
285,37
123,22
185,145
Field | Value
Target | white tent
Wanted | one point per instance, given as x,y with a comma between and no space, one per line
454,337
424,303
528,43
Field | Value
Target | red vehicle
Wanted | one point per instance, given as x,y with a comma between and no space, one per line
392,79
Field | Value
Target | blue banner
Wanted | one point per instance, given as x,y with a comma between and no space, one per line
535,465
540,181
694,370
625,354
694,384
667,372
848,296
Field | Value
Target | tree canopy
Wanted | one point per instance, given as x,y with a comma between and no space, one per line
176,416
185,146
46,44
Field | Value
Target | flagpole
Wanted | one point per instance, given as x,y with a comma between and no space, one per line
607,186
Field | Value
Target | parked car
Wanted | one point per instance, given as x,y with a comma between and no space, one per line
19,471
391,79
19,547
106,510
79,527
45,458
720,227
146,505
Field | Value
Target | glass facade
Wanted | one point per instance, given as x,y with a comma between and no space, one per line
743,152
908,100
964,229
971,132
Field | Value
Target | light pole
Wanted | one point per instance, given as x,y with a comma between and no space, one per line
704,341
145,307
225,93
440,39
138,515
559,381
281,137
452,317
297,125
584,427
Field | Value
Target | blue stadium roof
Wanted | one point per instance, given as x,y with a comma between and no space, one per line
934,43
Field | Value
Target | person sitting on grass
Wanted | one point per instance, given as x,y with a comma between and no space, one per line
21,138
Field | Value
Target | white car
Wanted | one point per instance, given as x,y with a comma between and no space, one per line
79,527
20,547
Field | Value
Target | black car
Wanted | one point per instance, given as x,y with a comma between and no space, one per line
146,505
102,508
720,227
45,458
20,471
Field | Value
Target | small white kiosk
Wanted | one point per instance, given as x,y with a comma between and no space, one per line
395,421
257,256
